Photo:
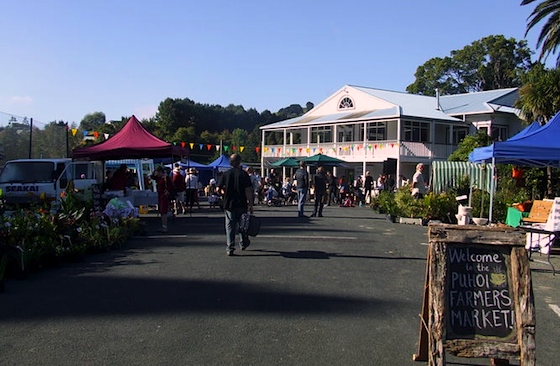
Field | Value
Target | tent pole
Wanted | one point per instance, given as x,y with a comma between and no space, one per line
492,188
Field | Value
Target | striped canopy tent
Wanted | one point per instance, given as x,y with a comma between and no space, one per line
448,174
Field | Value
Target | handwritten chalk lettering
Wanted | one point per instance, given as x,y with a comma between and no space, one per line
482,319
478,296
465,256
475,299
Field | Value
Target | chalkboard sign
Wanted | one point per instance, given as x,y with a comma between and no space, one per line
479,301
477,296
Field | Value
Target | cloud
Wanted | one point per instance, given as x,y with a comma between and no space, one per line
20,100
145,112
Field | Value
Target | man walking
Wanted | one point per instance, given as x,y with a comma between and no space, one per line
237,191
302,186
320,187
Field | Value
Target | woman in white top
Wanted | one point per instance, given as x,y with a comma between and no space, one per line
191,182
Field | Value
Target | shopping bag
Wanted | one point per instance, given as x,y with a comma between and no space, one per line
249,225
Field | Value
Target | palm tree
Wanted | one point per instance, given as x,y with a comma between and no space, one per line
539,96
549,38
539,99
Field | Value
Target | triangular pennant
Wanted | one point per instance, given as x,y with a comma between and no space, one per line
95,134
257,149
200,146
106,135
209,146
226,148
74,131
234,148
241,148
183,144
217,147
85,133
191,144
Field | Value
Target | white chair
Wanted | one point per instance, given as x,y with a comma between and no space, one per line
541,237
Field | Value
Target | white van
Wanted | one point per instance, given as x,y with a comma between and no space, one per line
26,181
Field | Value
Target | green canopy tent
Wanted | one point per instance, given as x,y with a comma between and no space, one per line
325,160
286,162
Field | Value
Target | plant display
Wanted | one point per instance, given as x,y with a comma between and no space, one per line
38,237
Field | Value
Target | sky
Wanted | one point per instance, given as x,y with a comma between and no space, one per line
63,59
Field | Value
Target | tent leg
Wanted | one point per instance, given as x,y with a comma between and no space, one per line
492,189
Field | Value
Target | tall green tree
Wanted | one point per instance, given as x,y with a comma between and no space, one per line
93,121
549,37
493,62
539,96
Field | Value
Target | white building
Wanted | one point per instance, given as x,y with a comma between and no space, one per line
385,131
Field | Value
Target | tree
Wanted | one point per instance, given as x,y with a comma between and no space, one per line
539,96
93,121
493,62
468,144
549,37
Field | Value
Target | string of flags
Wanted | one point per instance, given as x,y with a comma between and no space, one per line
267,150
94,135
340,148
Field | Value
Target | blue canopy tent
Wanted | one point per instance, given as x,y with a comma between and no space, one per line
221,164
539,147
205,172
527,130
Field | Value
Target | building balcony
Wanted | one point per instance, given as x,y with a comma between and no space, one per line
371,151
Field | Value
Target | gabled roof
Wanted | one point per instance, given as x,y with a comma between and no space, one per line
411,105
480,102
390,104
383,104
132,141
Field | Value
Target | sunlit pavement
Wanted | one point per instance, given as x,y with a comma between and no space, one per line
344,289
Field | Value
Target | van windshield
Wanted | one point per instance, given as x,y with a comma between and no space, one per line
28,172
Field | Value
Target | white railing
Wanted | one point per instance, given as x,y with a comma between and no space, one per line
356,151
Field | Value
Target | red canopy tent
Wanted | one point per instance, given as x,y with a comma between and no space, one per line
133,141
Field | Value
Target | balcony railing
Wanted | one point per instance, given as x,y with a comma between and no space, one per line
357,152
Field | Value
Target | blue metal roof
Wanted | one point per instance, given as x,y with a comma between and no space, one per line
419,106
479,102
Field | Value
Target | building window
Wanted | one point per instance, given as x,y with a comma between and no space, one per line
321,134
346,103
416,131
345,133
459,133
499,133
376,131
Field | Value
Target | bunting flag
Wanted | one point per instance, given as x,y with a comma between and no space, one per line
241,148
74,131
191,145
85,133
183,144
209,146
226,148
218,147
106,135
257,149
95,134
234,148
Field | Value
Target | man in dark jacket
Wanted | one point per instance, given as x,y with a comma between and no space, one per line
237,190
320,187
302,186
